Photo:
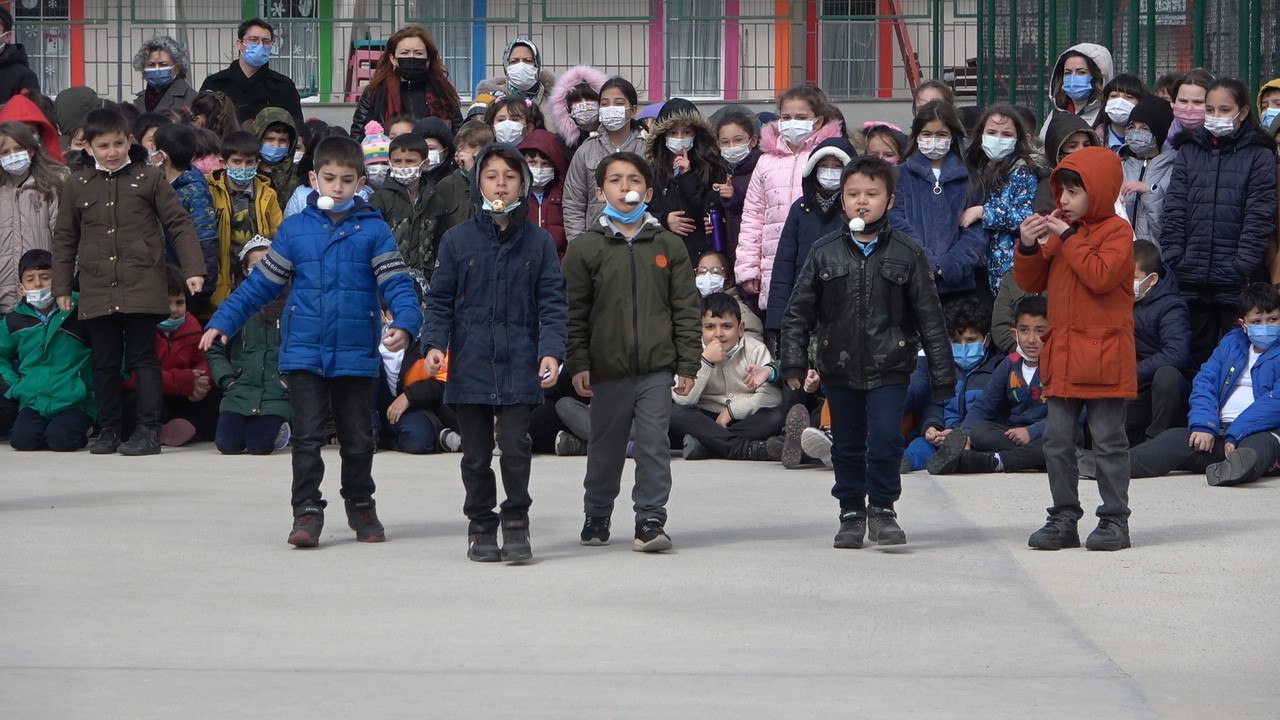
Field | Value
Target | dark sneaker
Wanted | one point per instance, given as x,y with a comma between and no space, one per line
693,450
515,541
144,441
1235,470
363,518
651,537
1109,535
905,466
568,444
107,442
816,443
1059,532
483,546
308,521
947,459
976,463
853,525
792,429
595,531
759,450
882,526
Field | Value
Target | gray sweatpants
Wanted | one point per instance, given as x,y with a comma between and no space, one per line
617,404
1110,446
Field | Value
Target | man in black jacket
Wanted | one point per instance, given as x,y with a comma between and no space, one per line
15,74
249,82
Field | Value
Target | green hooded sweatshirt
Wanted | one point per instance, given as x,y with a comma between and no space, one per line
283,176
46,366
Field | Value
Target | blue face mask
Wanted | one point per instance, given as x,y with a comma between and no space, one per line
968,355
626,218
1077,87
242,176
1263,336
272,154
1269,116
256,55
158,78
170,324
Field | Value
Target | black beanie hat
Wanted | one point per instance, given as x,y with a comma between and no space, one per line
1154,112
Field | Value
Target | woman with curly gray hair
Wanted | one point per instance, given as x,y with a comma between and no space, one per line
163,64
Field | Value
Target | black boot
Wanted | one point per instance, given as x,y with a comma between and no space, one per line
144,441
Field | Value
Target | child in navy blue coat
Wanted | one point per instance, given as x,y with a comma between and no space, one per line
497,305
340,256
1162,335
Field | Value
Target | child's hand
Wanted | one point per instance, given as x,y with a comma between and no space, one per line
1134,186
755,376
681,162
1056,224
396,340
206,340
724,418
201,388
1035,229
582,384
1201,441
195,285
1228,449
684,385
549,371
433,361
971,216
793,383
1018,436
397,408
680,224
725,189
811,381
752,286
64,303
713,352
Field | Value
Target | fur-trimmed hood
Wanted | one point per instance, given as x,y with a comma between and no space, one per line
565,126
704,144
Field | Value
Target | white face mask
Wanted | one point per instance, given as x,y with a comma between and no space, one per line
434,158
735,154
829,178
542,176
298,155
1118,109
709,283
1220,126
377,174
613,117
585,113
679,145
16,163
405,175
1138,291
522,75
40,299
509,131
795,131
934,148
998,148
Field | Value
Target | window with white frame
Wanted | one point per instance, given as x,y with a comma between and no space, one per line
849,47
296,50
43,27
695,48
449,22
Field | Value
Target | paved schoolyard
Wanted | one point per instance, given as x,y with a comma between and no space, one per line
162,587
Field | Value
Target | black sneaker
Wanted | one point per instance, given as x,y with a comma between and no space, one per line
107,442
568,444
1109,535
758,450
693,450
882,526
947,459
792,429
144,441
1235,470
483,546
973,462
308,521
363,518
515,540
651,537
595,531
853,525
1059,532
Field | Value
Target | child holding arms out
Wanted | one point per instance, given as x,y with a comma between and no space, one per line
340,256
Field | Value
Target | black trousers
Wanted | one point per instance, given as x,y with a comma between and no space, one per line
1209,322
1172,451
312,397
725,442
476,423
1160,406
128,340
989,437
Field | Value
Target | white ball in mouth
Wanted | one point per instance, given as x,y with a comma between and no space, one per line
632,198
857,224
325,202
498,206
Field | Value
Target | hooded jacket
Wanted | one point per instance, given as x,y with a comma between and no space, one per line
1089,351
247,371
740,176
1273,84
1089,111
27,219
929,211
1219,377
251,94
539,93
414,220
582,208
194,194
1162,329
433,128
71,106
548,213
16,74
283,176
46,366
1145,210
1061,126
21,109
689,192
566,127
267,218
806,224
774,186
496,303
1219,212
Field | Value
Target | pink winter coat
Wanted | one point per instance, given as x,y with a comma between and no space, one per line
774,186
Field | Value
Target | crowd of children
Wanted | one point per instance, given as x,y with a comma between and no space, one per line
555,274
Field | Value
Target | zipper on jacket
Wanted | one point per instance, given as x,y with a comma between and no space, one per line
635,306
1137,197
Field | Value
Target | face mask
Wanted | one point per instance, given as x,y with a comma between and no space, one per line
1139,291
434,158
998,148
405,175
298,155
272,154
542,176
968,355
629,218
890,160
736,154
16,163
256,55
1140,141
1118,109
522,76
1189,118
509,131
728,355
376,174
585,113
709,283
151,158
1220,126
412,69
679,145
158,78
1269,116
934,148
40,299
1077,87
613,117
97,165
208,164
829,178
795,131
242,176
487,206
1263,336
169,324
342,207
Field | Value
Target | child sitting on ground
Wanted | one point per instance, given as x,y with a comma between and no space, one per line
1162,335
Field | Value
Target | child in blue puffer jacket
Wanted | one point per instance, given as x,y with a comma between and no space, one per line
340,256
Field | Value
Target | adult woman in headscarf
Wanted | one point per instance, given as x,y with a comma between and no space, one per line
163,64
410,78
524,78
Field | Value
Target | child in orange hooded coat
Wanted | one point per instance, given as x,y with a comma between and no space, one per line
1082,255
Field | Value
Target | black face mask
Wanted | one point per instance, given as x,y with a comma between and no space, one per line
412,69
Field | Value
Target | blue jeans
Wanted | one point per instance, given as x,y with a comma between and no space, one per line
866,450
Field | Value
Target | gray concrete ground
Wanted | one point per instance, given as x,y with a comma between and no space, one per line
162,586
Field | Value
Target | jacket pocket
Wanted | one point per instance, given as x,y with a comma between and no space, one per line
833,273
895,272
1094,355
